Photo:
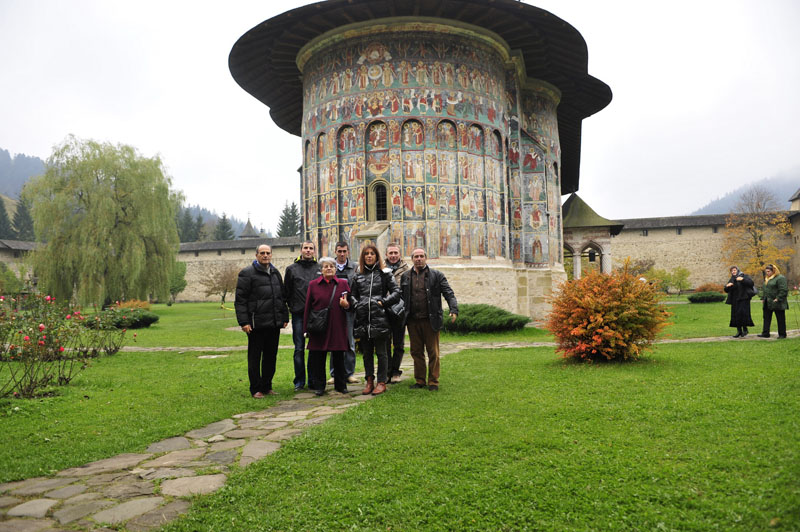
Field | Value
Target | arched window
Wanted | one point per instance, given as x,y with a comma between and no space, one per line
378,202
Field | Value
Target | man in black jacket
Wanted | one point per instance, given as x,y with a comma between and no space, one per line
304,270
261,312
422,289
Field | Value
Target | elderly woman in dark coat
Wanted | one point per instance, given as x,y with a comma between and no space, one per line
776,300
374,290
740,291
334,339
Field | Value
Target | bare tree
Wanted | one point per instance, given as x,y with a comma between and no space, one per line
754,231
221,281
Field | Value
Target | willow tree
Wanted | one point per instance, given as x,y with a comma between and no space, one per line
106,218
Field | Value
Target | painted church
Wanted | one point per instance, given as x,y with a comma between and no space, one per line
453,125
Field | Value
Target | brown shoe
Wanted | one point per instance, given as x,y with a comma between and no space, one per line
369,387
271,392
258,395
379,389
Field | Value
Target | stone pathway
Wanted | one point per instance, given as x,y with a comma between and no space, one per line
143,491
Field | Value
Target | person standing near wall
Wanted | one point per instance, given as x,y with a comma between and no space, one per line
776,299
395,262
345,269
261,312
304,270
740,290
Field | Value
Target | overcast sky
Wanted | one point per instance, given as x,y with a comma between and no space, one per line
705,96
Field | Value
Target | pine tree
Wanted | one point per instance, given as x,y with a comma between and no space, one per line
6,231
223,230
186,229
198,233
289,223
23,223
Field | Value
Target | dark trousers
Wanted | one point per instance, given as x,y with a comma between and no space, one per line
316,368
378,347
262,350
395,347
780,316
299,351
424,338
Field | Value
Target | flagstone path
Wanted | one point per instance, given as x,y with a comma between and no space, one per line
143,491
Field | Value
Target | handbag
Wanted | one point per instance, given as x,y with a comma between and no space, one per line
318,319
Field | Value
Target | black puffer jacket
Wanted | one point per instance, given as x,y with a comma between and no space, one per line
298,275
259,297
368,288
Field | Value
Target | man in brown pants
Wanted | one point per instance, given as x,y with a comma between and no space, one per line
422,289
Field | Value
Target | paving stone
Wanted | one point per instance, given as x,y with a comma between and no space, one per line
280,435
250,423
311,422
166,472
43,485
72,513
225,445
304,395
67,492
128,490
181,487
8,486
346,405
220,427
158,517
128,510
255,450
83,497
199,443
9,501
364,397
301,413
217,438
34,508
175,458
272,425
223,457
245,433
25,525
291,418
106,478
170,444
122,461
324,411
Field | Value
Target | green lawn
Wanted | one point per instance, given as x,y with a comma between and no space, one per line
689,439
695,436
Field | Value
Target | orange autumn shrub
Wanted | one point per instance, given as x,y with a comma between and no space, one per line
710,287
606,316
134,303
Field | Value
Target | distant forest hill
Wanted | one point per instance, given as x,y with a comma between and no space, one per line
782,186
17,170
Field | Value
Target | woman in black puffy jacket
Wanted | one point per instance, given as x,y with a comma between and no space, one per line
372,292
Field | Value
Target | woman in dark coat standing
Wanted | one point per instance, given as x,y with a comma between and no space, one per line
374,290
334,339
740,291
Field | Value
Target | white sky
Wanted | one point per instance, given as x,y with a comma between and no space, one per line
706,96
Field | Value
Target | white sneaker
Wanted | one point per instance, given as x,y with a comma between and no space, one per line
395,378
330,381
353,380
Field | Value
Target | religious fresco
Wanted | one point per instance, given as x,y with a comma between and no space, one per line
469,163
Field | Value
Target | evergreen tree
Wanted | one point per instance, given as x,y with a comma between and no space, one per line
23,223
198,233
108,214
289,223
6,231
186,227
177,280
223,230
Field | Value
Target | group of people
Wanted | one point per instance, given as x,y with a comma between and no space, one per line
741,289
370,302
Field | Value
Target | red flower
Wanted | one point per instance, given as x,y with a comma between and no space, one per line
41,342
41,327
69,316
61,349
47,298
27,338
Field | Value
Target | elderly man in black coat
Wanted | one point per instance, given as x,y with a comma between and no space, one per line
261,312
